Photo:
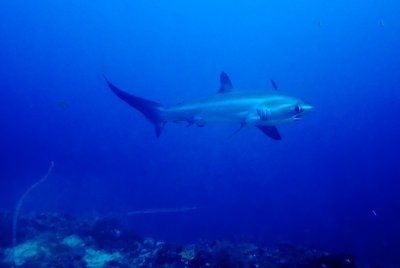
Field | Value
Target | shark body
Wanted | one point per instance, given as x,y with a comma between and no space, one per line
262,109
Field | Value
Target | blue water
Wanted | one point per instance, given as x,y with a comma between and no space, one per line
332,181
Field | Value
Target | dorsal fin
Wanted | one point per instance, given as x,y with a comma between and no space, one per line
226,84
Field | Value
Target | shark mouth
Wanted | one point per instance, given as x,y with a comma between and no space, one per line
297,117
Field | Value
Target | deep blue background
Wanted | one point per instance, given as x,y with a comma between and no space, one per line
320,185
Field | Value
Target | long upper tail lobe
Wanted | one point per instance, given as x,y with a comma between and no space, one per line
150,109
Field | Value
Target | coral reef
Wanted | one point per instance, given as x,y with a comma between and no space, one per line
55,240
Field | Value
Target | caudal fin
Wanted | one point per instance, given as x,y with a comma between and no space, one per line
150,109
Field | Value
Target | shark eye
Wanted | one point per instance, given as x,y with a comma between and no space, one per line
297,109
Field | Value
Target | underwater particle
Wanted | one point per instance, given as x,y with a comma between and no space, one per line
381,23
319,23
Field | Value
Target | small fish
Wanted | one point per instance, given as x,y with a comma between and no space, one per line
161,210
381,23
62,104
373,212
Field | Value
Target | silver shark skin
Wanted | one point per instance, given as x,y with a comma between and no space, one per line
263,109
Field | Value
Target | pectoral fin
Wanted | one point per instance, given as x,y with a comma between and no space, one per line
271,131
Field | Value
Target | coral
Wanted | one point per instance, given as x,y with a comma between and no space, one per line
25,252
105,242
97,258
110,233
188,253
73,241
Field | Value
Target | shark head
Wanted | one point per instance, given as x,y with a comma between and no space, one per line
300,109
282,109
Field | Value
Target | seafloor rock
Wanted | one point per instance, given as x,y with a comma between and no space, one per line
98,258
54,240
110,233
30,225
26,252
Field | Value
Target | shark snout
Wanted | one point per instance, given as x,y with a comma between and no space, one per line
303,109
306,107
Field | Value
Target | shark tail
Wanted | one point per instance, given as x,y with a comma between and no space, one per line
150,109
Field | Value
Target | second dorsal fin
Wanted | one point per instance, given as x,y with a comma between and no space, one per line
226,84
274,86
